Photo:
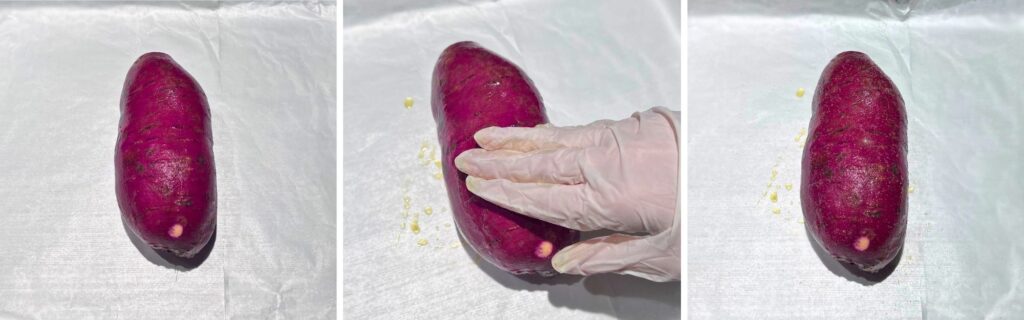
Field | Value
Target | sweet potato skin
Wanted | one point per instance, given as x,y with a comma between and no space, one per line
854,170
474,88
164,169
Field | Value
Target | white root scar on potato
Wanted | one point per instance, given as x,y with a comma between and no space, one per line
862,243
544,249
175,230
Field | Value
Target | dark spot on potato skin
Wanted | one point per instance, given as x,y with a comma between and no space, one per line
853,199
895,171
183,202
872,213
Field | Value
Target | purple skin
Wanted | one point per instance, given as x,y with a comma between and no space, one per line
474,88
164,170
854,184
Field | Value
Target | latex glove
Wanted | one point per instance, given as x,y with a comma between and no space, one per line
618,175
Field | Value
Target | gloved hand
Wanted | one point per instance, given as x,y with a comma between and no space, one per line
617,175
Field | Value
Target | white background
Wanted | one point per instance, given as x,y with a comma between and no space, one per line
268,72
958,66
589,60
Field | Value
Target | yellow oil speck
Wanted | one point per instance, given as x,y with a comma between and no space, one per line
408,102
406,202
800,93
800,136
455,245
774,197
437,163
775,173
910,189
423,150
801,221
415,226
789,187
422,242
776,210
428,211
438,176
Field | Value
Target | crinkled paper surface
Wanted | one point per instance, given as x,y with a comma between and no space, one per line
958,66
589,60
268,71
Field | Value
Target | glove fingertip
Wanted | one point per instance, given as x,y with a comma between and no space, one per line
485,136
473,184
564,262
462,161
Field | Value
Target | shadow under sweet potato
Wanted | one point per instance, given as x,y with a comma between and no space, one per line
850,271
167,259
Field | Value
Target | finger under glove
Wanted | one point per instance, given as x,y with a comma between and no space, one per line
556,166
618,253
540,137
570,206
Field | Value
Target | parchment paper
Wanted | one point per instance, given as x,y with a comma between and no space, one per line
268,73
957,64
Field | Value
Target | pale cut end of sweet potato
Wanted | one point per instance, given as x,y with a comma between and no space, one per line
175,230
544,249
862,243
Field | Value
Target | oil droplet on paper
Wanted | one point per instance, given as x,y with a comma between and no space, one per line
438,176
423,150
422,242
776,210
415,226
800,92
800,136
428,211
789,187
910,189
408,103
774,197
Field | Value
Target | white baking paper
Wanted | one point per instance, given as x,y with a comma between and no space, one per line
958,66
268,73
590,60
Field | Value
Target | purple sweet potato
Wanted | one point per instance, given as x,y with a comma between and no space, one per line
854,184
164,170
474,88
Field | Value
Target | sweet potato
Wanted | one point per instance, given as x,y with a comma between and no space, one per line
474,88
854,183
164,170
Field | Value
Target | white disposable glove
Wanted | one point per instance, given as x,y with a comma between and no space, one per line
618,175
